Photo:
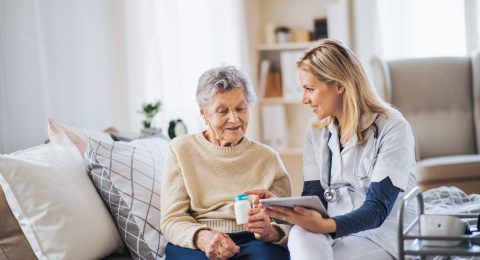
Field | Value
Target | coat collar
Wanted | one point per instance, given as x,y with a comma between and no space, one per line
366,122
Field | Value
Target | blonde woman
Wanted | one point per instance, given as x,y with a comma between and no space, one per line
359,159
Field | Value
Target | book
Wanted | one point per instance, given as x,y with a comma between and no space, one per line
273,85
292,89
262,79
274,127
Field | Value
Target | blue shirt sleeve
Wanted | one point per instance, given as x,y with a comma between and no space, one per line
314,188
381,197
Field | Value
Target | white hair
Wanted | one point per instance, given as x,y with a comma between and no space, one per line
223,78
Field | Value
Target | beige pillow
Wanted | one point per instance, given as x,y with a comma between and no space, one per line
78,136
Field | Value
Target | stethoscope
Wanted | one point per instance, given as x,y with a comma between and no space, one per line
330,194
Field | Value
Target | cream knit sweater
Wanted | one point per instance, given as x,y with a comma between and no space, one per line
200,180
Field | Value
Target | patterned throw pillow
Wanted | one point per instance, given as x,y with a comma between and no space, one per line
128,176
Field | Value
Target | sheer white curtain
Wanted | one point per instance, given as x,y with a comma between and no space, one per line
93,63
60,59
191,37
397,29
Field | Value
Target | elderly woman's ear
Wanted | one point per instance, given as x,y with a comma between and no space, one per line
203,114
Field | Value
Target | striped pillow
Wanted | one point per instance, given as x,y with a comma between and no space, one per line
128,176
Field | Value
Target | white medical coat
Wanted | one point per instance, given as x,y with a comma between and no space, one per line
391,154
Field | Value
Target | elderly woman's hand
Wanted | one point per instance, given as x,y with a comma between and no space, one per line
259,224
216,245
259,194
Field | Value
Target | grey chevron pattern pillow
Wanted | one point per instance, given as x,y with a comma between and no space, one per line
128,176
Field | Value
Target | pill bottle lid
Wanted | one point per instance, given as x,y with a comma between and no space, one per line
241,197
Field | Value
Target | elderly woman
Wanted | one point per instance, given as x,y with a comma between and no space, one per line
205,171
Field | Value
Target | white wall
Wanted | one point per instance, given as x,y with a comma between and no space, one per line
365,38
339,21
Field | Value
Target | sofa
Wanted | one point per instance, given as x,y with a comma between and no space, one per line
440,97
78,198
82,196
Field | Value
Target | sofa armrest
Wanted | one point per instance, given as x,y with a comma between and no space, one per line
462,171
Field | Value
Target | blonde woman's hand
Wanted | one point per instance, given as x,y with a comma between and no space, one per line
259,224
308,219
216,245
261,192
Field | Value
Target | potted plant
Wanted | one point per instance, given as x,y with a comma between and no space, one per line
149,110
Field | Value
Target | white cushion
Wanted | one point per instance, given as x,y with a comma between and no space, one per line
128,176
56,204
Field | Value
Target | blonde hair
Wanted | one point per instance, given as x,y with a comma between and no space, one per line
331,62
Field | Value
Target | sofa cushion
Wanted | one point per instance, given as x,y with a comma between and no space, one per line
128,175
462,171
56,204
13,243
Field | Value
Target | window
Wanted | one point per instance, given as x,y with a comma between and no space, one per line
423,28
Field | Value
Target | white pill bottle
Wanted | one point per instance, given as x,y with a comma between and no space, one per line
242,205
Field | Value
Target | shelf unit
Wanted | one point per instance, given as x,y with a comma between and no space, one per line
285,46
278,100
292,114
291,151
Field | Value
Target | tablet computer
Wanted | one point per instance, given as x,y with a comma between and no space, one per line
310,202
